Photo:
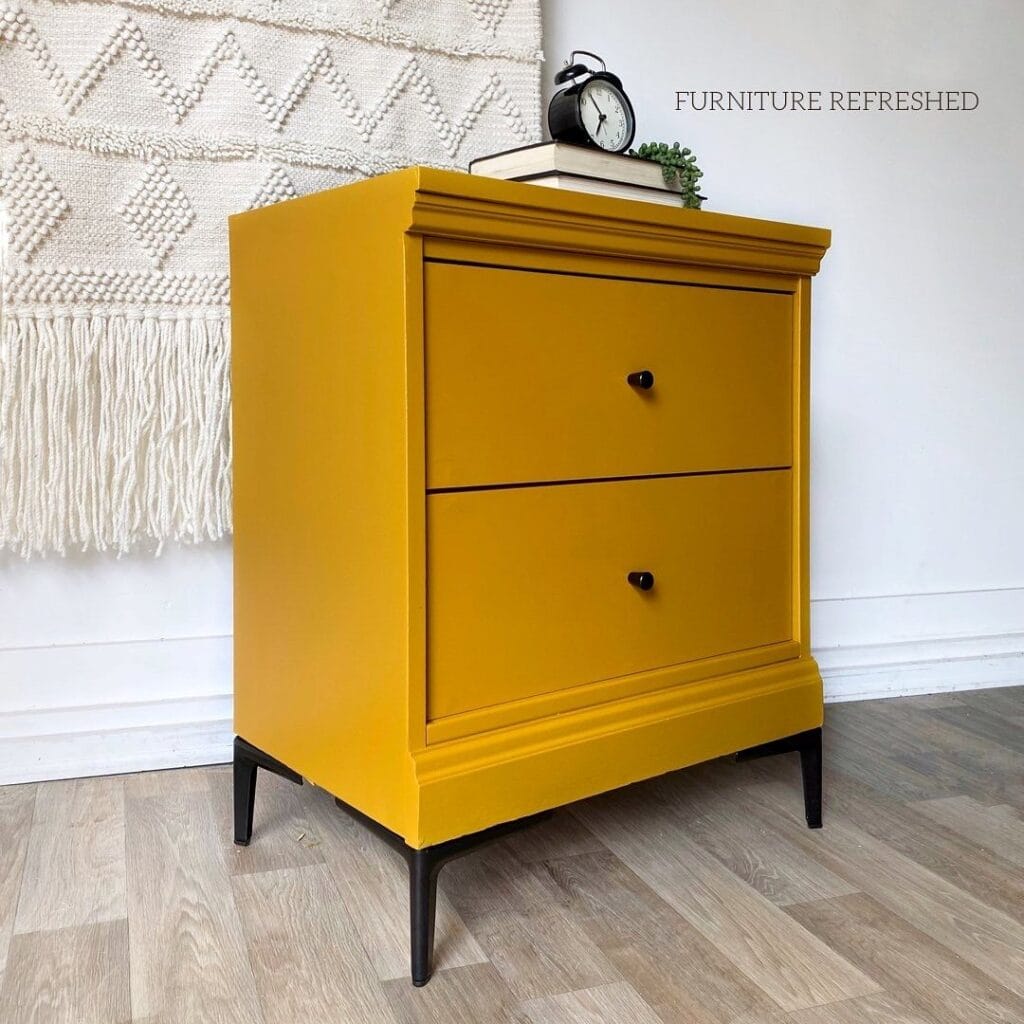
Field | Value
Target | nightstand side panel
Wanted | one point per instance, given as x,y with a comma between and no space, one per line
326,529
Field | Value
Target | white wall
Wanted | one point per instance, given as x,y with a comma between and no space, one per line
111,664
918,361
918,378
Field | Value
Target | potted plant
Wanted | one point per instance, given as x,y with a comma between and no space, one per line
678,168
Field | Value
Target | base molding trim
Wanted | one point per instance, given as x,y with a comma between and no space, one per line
189,720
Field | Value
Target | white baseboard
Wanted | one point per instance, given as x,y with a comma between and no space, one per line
916,667
99,708
896,646
103,709
114,751
860,621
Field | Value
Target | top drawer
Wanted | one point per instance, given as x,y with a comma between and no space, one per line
526,377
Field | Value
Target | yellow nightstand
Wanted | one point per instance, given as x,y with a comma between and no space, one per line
520,501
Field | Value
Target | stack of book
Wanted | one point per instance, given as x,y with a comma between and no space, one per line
563,165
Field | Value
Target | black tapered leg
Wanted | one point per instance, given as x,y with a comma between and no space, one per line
245,796
808,745
810,768
424,866
423,872
247,759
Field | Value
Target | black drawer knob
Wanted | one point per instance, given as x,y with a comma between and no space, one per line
643,580
641,379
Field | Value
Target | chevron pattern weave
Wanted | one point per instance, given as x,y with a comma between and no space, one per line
128,132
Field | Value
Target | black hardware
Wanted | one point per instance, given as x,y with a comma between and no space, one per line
247,759
643,580
808,744
424,866
641,379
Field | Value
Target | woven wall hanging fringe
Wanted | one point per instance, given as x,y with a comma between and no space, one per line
128,132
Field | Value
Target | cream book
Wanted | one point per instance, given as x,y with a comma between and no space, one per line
581,169
595,186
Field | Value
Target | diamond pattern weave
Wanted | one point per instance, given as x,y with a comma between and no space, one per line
128,132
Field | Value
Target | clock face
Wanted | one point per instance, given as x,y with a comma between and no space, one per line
606,115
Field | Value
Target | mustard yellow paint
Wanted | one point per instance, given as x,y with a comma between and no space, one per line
444,658
542,395
614,690
537,577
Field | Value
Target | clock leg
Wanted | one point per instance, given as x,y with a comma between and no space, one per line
808,745
246,760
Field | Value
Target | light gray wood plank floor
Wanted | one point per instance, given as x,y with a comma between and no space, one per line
697,897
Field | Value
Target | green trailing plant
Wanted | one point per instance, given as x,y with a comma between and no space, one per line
678,167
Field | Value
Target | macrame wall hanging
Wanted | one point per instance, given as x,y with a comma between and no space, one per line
128,132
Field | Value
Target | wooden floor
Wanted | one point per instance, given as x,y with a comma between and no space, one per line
697,897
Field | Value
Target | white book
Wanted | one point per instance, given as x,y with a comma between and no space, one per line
615,189
560,159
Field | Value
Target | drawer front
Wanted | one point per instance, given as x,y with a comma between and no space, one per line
526,377
528,590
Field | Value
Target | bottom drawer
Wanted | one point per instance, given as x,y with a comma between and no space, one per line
528,588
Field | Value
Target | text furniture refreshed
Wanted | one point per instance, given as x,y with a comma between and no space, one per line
521,501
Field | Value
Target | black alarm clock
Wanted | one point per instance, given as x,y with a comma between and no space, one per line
593,110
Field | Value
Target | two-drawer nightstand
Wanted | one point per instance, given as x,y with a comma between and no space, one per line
521,502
